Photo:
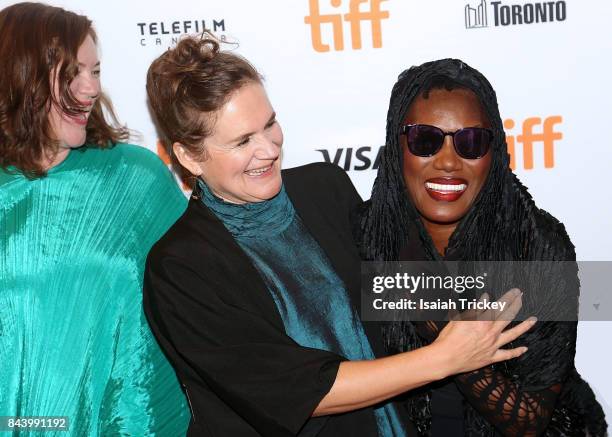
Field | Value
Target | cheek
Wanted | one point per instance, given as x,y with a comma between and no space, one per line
480,170
56,122
75,87
276,135
412,168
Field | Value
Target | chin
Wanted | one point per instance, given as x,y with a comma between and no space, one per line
270,191
269,194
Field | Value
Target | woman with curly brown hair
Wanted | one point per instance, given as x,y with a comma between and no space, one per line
78,212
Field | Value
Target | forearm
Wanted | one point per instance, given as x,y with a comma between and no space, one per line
460,347
360,384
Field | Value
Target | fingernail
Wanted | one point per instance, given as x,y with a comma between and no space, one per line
532,319
525,349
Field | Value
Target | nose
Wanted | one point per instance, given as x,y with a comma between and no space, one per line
267,146
88,87
447,159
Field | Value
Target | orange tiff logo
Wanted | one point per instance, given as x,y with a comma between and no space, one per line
354,16
544,134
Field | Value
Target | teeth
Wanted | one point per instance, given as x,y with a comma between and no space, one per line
445,187
258,171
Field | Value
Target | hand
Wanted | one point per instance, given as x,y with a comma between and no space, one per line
471,345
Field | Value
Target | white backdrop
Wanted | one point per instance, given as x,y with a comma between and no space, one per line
556,70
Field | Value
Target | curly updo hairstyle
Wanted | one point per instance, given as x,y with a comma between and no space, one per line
188,84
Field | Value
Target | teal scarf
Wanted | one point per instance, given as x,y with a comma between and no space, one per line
310,297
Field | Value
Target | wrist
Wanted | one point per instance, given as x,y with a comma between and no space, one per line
441,360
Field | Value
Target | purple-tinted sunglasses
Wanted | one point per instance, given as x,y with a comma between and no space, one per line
425,140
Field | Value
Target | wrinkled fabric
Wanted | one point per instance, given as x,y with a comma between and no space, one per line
73,338
310,297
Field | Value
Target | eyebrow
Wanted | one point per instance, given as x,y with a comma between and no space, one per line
246,135
97,64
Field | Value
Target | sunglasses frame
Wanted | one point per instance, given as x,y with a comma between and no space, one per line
406,127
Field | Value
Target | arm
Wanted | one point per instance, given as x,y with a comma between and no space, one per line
272,382
520,399
512,410
218,341
460,346
142,395
523,407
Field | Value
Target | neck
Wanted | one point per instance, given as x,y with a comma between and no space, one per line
440,234
56,159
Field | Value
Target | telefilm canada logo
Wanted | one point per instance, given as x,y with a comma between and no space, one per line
498,13
168,33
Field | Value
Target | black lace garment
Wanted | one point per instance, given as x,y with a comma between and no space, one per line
541,392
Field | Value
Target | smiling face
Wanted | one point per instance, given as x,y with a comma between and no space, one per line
444,186
85,87
242,156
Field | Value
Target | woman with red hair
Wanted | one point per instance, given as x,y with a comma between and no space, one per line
79,211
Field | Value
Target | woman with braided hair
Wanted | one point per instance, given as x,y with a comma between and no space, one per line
446,189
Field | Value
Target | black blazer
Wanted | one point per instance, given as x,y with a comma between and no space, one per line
219,326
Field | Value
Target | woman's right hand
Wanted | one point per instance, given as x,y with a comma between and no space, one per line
460,347
470,345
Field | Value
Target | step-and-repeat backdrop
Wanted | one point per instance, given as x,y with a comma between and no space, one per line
329,66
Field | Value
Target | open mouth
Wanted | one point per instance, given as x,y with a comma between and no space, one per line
446,189
259,171
80,119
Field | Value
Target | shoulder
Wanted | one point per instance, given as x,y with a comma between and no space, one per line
196,238
321,180
128,158
137,157
143,178
550,239
7,176
137,162
317,172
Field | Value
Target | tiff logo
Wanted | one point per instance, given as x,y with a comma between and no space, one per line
476,17
547,136
354,17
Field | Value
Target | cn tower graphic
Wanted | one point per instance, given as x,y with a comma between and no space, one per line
476,17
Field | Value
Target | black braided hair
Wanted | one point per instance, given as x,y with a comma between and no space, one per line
503,224
385,221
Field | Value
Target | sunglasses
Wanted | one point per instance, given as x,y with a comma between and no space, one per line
425,140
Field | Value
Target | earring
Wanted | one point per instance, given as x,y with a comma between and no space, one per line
196,193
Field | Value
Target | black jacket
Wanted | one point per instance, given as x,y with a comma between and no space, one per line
219,326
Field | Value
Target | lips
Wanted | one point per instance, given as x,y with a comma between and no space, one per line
445,189
259,172
80,119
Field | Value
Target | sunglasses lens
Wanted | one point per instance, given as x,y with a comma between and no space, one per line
424,140
472,142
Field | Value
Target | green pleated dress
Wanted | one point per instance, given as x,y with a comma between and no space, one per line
74,341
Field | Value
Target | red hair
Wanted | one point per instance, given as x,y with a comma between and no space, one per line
41,41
